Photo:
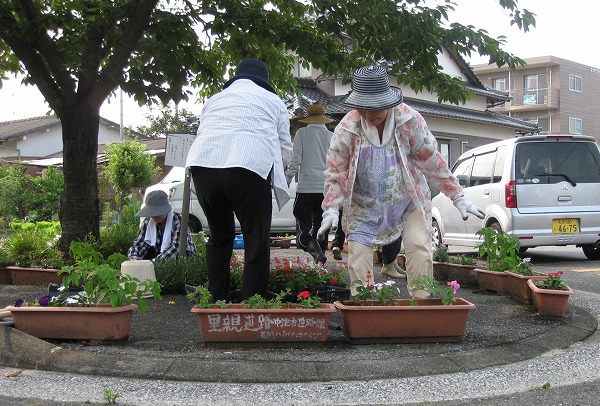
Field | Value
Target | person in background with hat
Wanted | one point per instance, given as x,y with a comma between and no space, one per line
241,149
308,162
159,233
381,157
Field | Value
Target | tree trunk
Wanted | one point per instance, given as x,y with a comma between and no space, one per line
80,207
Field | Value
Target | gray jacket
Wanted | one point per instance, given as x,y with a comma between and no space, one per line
308,161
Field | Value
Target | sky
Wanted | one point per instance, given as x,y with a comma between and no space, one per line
565,29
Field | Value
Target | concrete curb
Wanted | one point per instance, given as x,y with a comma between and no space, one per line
20,350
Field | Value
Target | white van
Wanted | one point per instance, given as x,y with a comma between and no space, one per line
543,189
172,184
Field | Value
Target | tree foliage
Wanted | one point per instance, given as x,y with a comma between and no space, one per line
167,121
129,166
77,52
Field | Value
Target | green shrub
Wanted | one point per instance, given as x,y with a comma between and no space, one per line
117,238
174,274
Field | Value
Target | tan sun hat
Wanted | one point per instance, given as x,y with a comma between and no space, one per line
315,114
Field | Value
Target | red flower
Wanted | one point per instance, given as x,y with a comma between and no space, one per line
305,294
557,273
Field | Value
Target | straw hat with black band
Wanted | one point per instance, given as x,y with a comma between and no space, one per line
315,114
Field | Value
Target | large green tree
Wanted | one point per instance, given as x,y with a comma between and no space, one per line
78,52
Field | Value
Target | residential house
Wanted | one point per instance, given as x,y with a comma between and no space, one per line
456,128
561,96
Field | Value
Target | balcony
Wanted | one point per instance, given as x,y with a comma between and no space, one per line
531,99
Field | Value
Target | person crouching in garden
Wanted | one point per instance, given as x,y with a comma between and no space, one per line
159,233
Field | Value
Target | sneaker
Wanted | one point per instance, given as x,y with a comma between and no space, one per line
337,253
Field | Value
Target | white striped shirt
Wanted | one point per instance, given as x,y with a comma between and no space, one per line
248,127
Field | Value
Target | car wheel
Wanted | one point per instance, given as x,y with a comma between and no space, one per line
194,225
436,235
591,252
496,226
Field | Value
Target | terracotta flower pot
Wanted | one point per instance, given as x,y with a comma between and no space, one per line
281,242
429,321
5,277
549,302
235,323
494,281
518,288
103,323
463,274
33,276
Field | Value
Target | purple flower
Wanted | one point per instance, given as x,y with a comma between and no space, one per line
44,300
19,302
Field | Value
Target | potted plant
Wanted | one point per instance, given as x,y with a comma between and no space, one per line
501,252
261,319
517,281
327,282
460,268
377,314
31,254
103,308
550,295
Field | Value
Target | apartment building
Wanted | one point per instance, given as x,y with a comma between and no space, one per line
561,96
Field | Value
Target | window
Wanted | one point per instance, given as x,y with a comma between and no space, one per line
444,148
482,169
536,89
461,171
575,125
500,84
575,83
542,122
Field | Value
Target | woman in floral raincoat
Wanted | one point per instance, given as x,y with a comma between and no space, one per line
379,163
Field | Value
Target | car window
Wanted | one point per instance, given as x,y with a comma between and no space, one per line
499,164
482,169
462,170
555,162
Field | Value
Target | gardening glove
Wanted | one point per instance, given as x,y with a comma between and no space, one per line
330,222
465,206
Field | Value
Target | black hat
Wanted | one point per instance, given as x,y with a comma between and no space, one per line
254,70
371,90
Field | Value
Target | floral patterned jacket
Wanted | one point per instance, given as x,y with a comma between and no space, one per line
420,162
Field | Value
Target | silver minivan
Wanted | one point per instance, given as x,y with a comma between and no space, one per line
543,189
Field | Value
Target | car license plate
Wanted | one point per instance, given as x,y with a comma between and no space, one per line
565,226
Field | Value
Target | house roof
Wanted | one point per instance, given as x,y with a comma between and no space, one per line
309,94
18,128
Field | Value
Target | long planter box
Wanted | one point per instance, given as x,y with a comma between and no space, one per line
493,281
102,323
236,324
428,321
33,276
463,274
518,288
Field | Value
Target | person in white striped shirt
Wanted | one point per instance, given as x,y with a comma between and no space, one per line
240,152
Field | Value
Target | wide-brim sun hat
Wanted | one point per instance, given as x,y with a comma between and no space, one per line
156,204
315,114
254,70
371,90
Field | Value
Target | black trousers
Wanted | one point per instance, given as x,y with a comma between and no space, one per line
223,193
308,213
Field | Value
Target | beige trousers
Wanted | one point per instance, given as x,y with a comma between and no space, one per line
418,251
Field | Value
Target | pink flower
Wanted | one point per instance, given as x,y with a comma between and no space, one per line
304,294
455,286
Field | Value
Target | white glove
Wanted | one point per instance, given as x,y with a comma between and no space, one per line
330,222
465,206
